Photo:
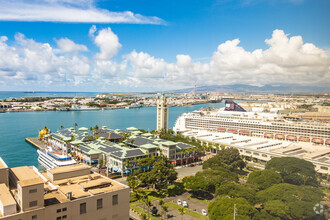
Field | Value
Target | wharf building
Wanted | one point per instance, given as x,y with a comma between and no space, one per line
114,149
70,192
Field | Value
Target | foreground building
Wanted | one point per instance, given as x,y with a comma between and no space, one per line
70,192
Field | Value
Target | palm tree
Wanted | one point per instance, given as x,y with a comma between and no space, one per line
182,211
62,127
144,216
165,210
75,125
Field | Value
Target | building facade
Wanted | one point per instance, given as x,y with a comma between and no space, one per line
70,192
162,113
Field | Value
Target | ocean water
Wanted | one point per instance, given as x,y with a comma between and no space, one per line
16,126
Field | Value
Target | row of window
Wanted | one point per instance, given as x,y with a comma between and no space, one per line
99,204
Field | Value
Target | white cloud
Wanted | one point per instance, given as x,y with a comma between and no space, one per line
286,60
108,43
81,11
68,46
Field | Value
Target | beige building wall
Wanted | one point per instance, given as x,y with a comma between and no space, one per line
30,196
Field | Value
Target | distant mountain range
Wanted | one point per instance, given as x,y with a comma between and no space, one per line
266,89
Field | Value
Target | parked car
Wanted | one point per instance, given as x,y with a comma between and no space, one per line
191,165
179,202
204,212
184,204
200,163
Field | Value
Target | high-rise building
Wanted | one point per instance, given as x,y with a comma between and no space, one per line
162,113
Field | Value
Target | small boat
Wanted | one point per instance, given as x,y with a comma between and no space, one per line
304,139
244,132
280,136
268,135
50,158
232,131
293,138
317,140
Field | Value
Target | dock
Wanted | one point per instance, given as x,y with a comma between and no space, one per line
35,142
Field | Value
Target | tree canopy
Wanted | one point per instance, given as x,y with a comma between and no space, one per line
228,158
223,208
283,200
216,177
294,170
235,190
160,176
265,178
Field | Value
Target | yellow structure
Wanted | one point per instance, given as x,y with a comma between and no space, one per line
43,132
69,192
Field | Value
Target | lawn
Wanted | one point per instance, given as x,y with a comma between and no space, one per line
141,210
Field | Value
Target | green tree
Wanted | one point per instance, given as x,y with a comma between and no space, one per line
182,211
235,190
62,127
216,177
264,179
294,170
133,183
195,183
298,200
223,208
75,125
228,158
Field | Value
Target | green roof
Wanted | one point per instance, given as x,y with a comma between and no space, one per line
147,135
149,146
83,129
132,129
168,143
76,142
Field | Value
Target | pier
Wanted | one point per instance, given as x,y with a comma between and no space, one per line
35,142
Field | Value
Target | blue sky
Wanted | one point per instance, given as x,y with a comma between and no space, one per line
150,45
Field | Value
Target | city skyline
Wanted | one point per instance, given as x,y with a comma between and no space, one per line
128,46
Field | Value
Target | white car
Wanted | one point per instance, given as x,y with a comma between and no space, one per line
179,202
204,212
184,204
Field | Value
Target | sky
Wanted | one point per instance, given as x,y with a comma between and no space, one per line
145,46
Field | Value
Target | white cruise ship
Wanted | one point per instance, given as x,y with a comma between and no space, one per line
234,119
79,108
50,159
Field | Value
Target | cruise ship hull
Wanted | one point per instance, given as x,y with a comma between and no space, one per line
50,162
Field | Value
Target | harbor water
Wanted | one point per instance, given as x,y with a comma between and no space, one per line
16,126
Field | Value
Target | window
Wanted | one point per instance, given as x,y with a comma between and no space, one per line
64,217
324,168
33,203
64,209
99,204
58,218
115,200
58,210
34,217
83,208
33,190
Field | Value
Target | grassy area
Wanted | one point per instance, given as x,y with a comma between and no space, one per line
141,210
189,212
201,200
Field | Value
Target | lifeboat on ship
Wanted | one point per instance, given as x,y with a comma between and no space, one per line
222,129
232,131
280,136
327,142
304,139
244,132
268,135
317,140
291,138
